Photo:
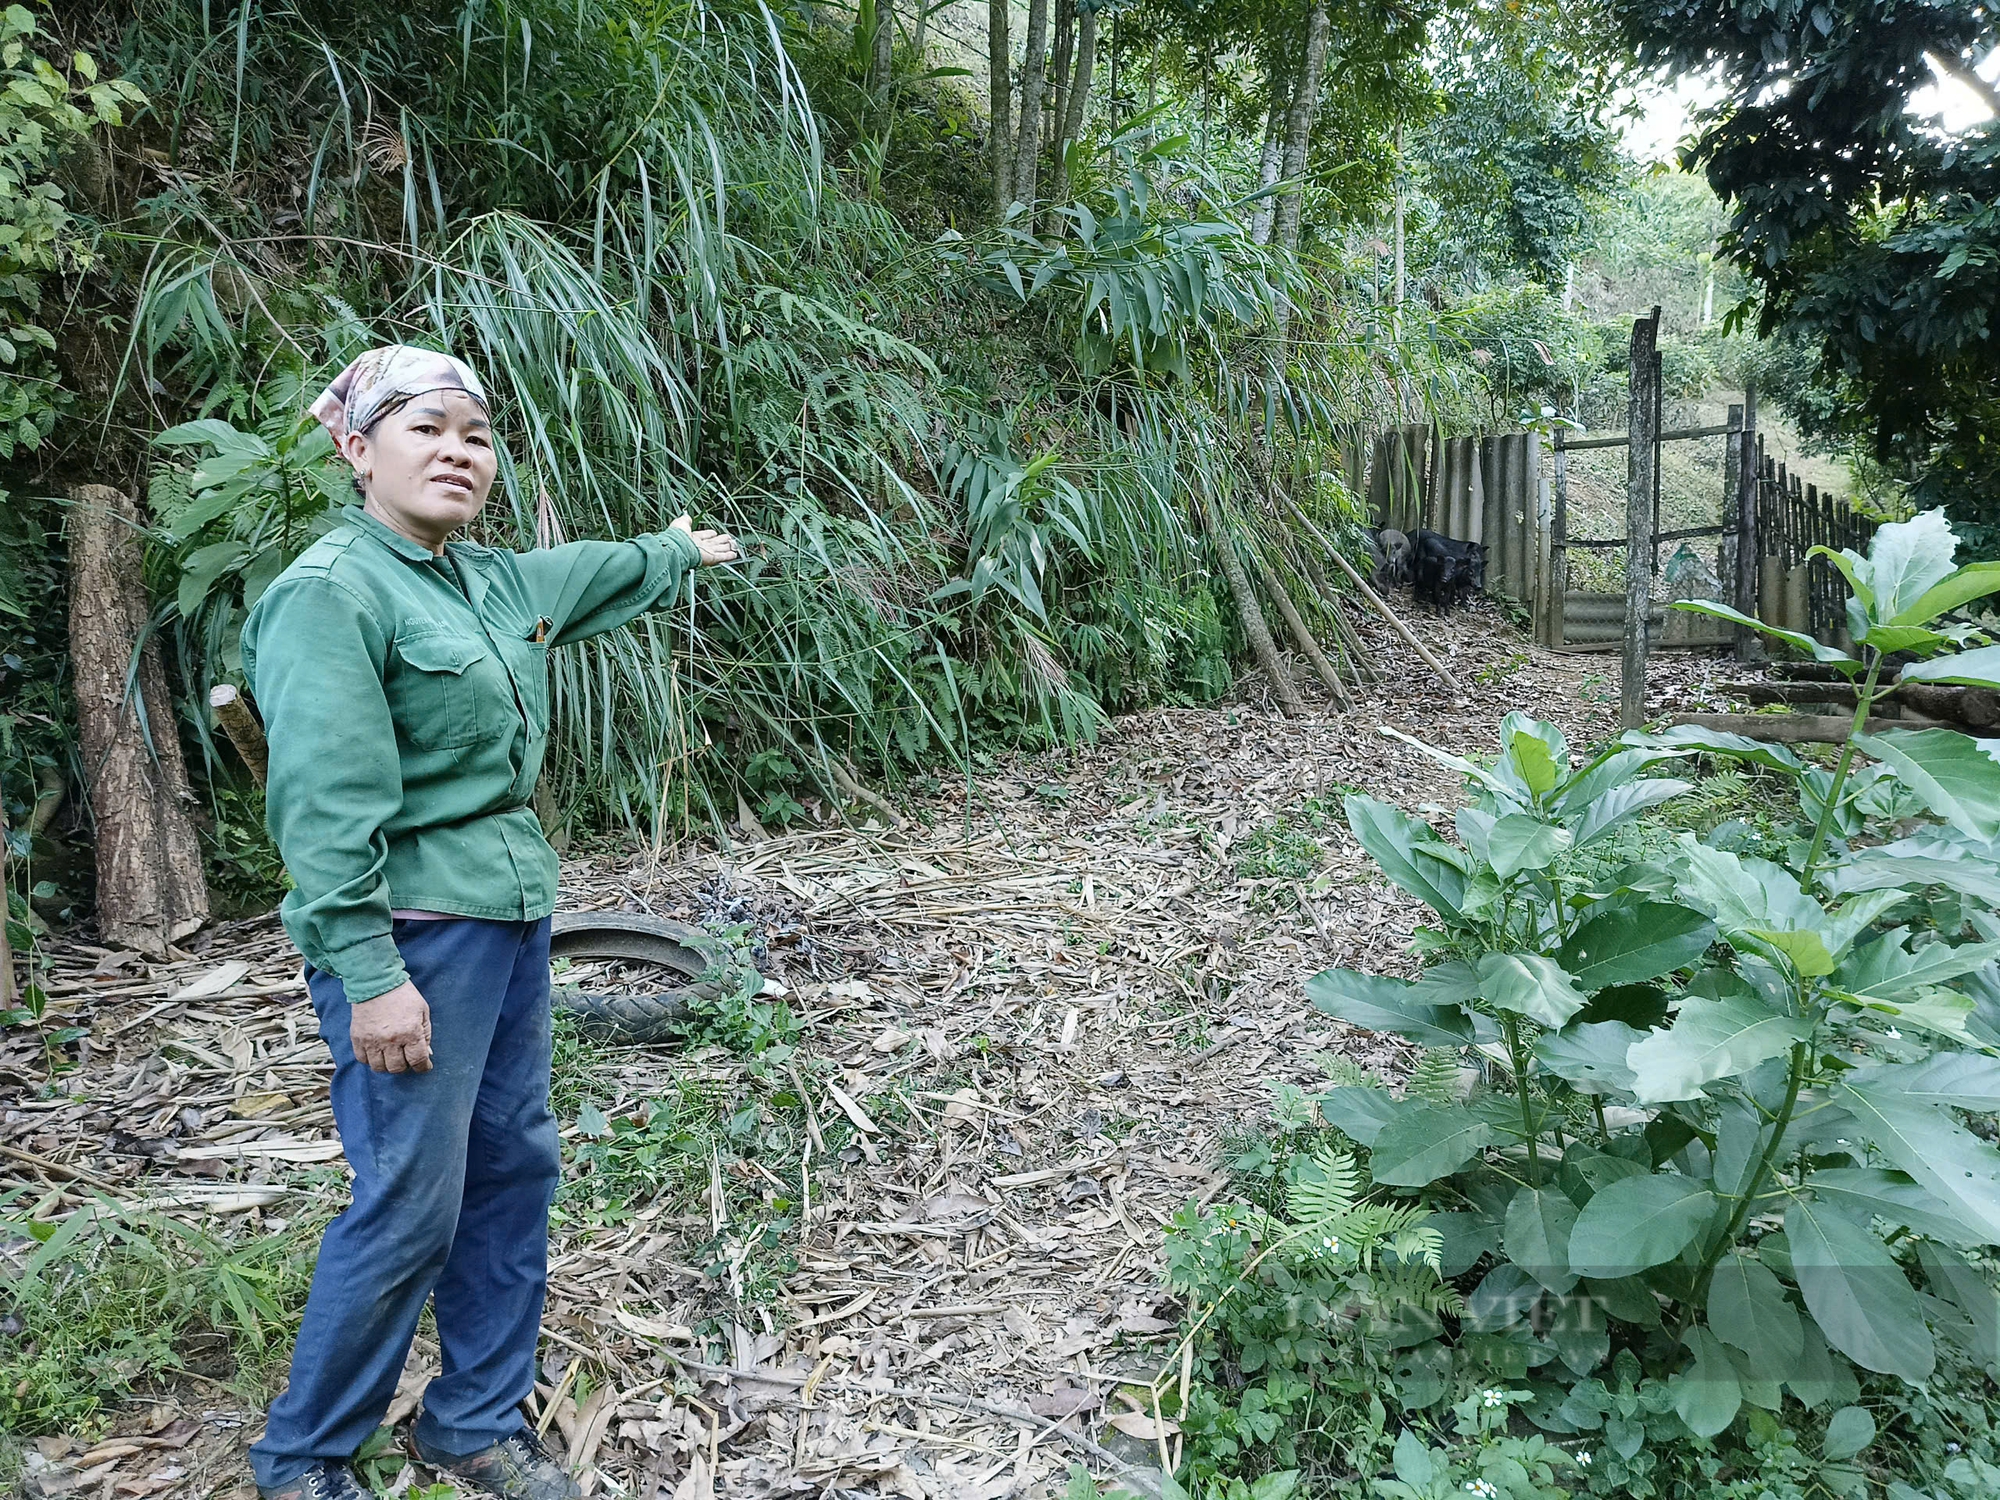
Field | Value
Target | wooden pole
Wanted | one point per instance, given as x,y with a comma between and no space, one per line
1641,471
1559,545
1403,630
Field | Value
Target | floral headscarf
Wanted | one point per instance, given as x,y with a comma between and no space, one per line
383,379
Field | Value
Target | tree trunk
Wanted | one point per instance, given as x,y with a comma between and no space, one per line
999,129
1079,90
1059,71
1077,103
1299,124
1034,74
883,46
1273,158
150,890
1402,202
1641,517
1251,614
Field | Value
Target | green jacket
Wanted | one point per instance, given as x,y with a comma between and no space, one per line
406,698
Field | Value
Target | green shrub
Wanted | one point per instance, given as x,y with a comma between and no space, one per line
1716,1227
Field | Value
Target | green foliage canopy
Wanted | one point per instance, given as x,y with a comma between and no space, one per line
1867,233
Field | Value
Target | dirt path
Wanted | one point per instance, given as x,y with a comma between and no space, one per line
1026,1039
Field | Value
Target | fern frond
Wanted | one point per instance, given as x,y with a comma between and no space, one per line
1324,1190
1414,1284
1435,1078
1419,1245
1345,1072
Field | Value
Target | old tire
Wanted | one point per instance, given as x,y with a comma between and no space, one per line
711,968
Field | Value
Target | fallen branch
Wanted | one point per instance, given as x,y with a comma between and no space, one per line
1977,708
1798,729
844,779
1394,619
47,1167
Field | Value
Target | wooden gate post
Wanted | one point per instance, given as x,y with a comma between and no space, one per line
1749,546
1559,545
1641,474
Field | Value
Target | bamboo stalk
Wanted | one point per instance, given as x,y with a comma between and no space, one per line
1346,644
1300,635
245,733
1366,668
1249,615
1401,629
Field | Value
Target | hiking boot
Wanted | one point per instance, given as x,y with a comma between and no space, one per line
329,1479
515,1468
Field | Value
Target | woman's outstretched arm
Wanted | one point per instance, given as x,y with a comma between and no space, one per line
587,588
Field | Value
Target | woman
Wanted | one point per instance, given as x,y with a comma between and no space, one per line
404,682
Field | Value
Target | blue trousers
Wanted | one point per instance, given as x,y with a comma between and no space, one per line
454,1171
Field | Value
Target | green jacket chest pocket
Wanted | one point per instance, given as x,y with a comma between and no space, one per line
528,665
435,690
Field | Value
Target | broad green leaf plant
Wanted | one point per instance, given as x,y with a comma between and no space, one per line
1725,1166
233,518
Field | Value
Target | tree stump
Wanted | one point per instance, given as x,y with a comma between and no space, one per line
150,889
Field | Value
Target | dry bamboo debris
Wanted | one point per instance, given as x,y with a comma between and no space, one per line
1051,1031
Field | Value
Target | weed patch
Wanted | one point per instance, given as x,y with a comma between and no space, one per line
1279,849
105,1301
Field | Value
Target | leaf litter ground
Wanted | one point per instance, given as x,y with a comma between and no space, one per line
922,1255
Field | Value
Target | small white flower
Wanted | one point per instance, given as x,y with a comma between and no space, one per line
1332,1244
1482,1489
1583,1459
1951,1447
1895,1035
1491,1399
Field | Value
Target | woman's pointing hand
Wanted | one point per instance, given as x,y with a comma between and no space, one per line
716,546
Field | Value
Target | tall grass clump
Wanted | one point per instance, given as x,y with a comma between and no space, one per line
980,477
